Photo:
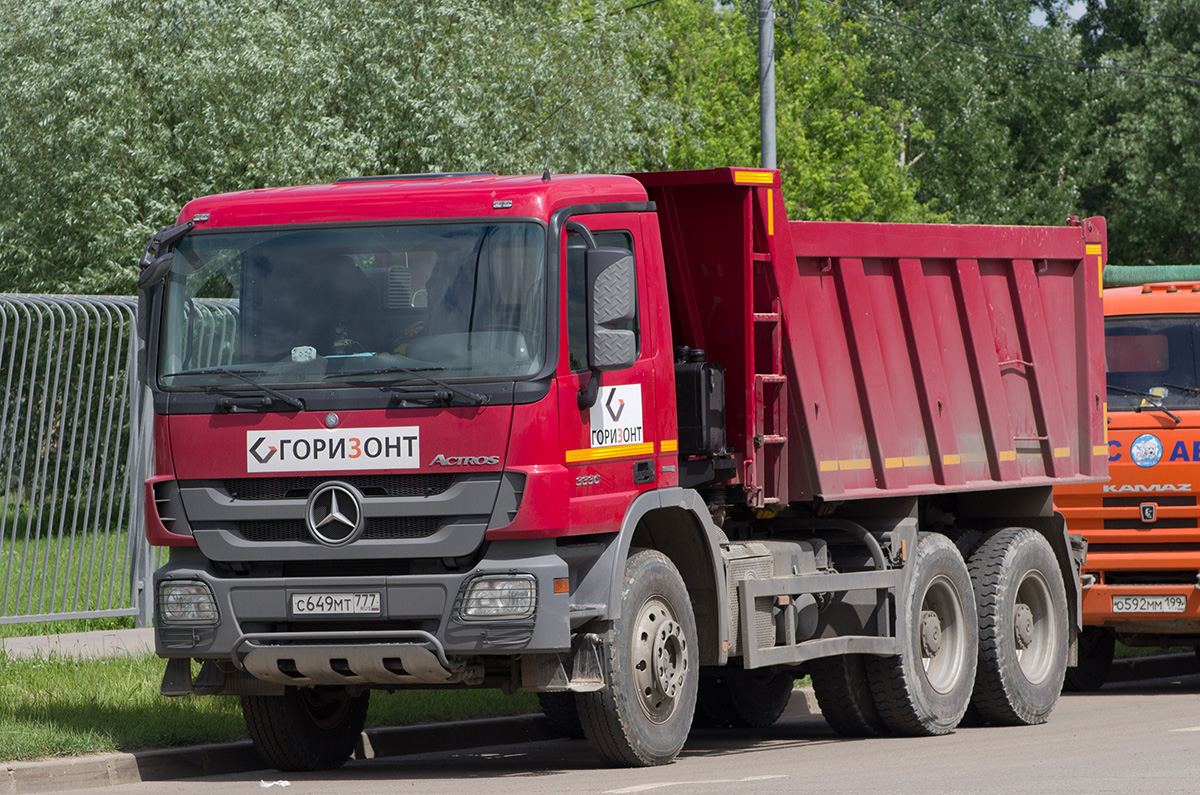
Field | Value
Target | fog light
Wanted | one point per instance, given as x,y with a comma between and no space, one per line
186,602
499,598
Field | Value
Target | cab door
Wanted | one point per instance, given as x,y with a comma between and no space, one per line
609,448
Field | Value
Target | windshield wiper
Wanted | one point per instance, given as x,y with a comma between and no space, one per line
1190,389
1152,406
445,395
228,403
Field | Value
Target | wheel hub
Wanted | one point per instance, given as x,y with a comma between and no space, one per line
931,633
659,660
1023,626
668,653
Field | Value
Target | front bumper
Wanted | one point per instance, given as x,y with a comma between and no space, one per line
417,636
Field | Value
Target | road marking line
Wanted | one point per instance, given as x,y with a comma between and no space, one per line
665,784
1188,729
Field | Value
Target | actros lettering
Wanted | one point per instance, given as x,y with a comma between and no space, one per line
464,460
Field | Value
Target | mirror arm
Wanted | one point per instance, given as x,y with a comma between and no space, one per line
586,397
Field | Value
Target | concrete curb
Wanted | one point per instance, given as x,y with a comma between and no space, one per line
169,764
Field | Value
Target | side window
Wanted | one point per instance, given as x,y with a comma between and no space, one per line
577,294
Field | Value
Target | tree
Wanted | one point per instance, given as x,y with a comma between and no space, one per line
840,154
1146,128
115,112
1003,131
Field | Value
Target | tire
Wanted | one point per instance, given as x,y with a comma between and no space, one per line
643,715
925,689
562,713
312,728
1096,649
742,699
1023,633
844,695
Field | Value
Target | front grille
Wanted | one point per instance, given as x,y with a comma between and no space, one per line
1150,577
386,528
296,488
1161,524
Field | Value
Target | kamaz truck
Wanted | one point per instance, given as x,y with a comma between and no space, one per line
638,444
1141,584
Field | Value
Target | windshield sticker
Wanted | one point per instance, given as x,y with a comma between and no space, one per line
348,448
616,417
1146,450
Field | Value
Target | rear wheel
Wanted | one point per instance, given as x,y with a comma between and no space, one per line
1096,648
643,715
743,699
310,728
1022,610
840,685
925,689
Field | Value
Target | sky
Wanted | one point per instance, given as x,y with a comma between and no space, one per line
1074,10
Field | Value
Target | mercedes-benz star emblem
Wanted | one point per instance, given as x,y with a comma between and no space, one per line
334,513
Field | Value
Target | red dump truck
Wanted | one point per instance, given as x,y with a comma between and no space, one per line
638,444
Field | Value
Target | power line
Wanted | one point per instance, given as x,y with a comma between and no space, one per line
998,51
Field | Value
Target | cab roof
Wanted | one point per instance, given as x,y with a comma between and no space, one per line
1159,298
406,197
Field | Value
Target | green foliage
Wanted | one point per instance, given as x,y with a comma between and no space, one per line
1146,157
840,154
1003,131
114,112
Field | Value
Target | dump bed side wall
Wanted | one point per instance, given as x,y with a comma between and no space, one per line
917,358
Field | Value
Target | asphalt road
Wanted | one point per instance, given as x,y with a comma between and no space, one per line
1129,737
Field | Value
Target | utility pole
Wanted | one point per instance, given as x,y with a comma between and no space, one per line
766,81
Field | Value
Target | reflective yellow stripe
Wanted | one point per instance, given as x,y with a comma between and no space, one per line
753,177
1100,449
669,446
916,460
893,463
828,466
600,453
951,459
854,463
770,212
1093,248
1007,455
1062,452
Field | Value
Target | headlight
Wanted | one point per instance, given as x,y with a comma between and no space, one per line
186,602
499,598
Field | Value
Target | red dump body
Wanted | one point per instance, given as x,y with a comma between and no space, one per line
887,359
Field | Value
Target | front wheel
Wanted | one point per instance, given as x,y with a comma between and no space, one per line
310,728
1096,649
925,689
1022,608
643,715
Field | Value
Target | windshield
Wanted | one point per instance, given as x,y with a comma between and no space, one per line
1151,361
323,306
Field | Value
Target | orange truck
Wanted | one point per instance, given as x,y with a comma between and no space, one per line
1141,579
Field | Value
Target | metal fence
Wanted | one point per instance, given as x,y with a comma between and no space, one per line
76,440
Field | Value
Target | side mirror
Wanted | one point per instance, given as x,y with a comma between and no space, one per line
612,302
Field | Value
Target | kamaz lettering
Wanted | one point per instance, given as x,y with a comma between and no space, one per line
1138,488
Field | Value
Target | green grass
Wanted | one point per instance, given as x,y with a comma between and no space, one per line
61,706
61,627
1124,652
